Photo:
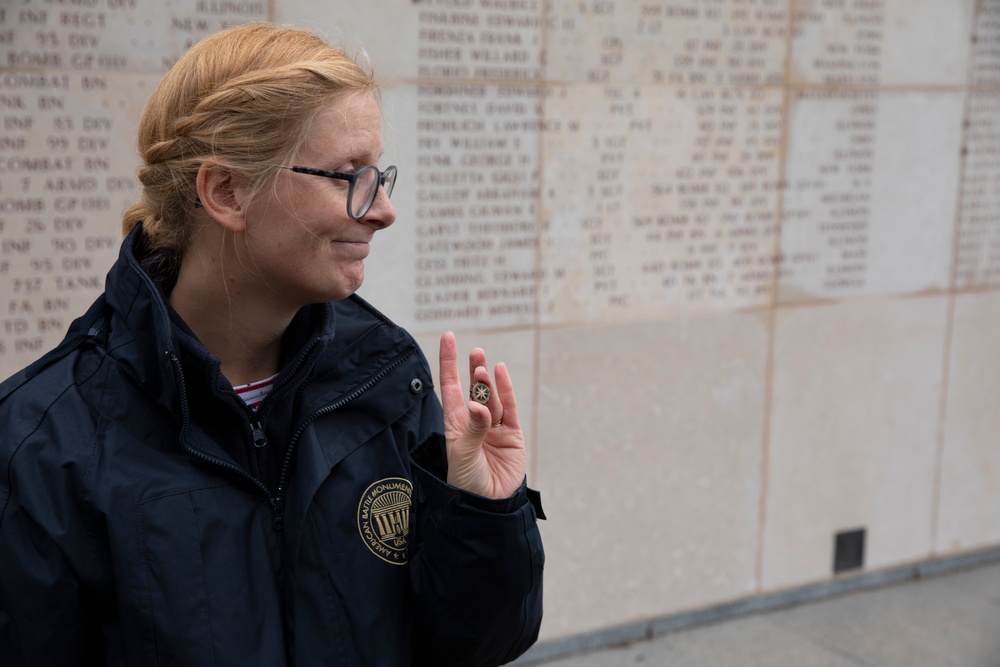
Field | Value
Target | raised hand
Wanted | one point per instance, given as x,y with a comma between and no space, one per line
485,444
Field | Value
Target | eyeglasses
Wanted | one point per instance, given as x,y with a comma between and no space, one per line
363,185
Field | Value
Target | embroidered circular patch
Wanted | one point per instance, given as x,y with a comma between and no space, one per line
384,518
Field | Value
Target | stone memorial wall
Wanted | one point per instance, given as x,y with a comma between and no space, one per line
742,256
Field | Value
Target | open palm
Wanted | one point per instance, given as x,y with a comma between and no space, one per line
485,444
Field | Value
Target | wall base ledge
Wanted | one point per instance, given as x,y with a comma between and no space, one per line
841,585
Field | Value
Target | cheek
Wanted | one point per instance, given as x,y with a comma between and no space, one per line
297,235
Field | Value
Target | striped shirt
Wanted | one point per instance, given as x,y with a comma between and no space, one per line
254,393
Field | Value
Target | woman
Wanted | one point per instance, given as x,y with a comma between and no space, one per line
232,459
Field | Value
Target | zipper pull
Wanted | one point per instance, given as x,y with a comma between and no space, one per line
278,505
259,439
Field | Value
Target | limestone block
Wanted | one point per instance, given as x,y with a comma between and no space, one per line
650,460
854,414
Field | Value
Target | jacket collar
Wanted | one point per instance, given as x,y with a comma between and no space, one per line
154,339
140,337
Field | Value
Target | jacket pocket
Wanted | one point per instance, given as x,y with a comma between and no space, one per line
212,593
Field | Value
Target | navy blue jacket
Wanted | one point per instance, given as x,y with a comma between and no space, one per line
130,535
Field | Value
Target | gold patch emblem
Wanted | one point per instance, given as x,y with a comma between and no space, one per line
384,519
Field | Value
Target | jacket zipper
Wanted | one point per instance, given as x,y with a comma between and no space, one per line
185,416
278,502
259,439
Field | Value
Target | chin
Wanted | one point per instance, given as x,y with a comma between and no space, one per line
346,288
360,279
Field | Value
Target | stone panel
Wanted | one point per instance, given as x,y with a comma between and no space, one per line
67,170
658,200
871,194
650,462
854,414
970,468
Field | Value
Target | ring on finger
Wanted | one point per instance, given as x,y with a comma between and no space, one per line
480,393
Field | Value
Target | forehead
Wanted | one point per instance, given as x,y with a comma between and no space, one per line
350,126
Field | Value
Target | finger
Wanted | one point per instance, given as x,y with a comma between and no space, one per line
477,358
479,421
452,392
505,391
479,372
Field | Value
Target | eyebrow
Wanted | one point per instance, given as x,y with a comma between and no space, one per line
363,158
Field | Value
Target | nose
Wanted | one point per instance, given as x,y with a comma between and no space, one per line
382,213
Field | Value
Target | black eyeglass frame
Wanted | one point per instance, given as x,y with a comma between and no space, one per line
389,175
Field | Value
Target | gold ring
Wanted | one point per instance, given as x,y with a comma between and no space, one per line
497,425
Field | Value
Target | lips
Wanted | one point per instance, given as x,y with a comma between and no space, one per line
364,239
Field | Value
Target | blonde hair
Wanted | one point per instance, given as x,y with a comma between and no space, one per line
245,97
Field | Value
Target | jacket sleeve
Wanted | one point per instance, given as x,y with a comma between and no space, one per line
44,616
476,569
49,611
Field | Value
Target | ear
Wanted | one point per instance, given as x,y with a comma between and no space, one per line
218,192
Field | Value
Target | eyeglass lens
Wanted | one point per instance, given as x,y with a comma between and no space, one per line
366,188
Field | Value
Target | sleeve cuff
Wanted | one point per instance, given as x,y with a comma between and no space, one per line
429,460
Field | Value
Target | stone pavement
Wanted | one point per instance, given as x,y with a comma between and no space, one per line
948,620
